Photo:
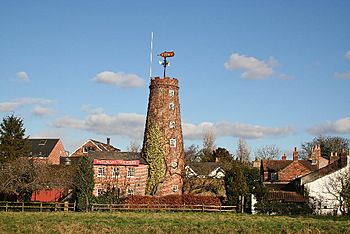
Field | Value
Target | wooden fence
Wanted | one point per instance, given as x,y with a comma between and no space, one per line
36,206
161,207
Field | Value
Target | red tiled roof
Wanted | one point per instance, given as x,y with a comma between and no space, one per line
278,165
285,196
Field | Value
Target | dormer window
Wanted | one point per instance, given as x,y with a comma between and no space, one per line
273,176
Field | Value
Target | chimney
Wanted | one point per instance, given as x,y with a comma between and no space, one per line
295,154
284,157
108,141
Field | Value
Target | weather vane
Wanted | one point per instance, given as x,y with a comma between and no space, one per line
165,55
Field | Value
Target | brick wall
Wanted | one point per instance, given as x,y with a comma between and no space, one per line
123,182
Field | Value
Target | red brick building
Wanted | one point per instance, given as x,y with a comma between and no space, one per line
94,146
47,151
287,170
124,171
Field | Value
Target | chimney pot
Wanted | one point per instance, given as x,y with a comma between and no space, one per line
108,141
295,154
284,157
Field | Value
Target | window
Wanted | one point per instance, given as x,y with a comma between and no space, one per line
100,192
42,142
274,176
86,149
172,142
130,192
171,106
175,188
171,93
172,124
115,172
131,171
101,172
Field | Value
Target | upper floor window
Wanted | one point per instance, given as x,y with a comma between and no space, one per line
115,172
171,106
131,172
171,92
273,176
172,124
172,142
86,149
101,172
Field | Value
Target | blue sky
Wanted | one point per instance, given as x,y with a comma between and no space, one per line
272,72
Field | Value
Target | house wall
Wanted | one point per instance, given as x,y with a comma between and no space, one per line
54,157
320,192
79,151
123,182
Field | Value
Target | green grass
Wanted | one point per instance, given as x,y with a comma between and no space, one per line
167,222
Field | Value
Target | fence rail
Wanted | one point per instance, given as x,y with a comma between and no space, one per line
161,207
36,206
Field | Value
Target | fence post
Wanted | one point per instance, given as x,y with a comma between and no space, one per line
66,206
92,207
6,206
220,207
41,207
74,205
22,206
202,207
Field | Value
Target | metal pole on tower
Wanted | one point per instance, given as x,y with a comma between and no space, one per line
151,56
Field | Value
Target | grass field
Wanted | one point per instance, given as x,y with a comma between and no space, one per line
167,222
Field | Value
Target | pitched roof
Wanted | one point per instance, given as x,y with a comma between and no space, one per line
104,147
118,156
340,163
278,165
41,147
203,168
285,196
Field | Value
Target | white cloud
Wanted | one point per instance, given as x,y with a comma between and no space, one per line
124,124
119,79
253,68
12,105
132,125
342,75
247,131
340,126
22,76
347,55
42,111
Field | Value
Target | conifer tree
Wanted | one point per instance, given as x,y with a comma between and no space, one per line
84,184
12,139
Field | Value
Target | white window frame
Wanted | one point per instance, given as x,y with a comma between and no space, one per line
85,150
273,176
171,106
115,172
172,124
171,93
172,143
130,172
101,173
99,192
175,188
131,192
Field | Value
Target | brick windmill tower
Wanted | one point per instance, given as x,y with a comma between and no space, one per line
163,141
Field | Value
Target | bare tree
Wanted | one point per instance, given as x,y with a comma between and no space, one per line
338,187
134,147
267,152
243,151
208,146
